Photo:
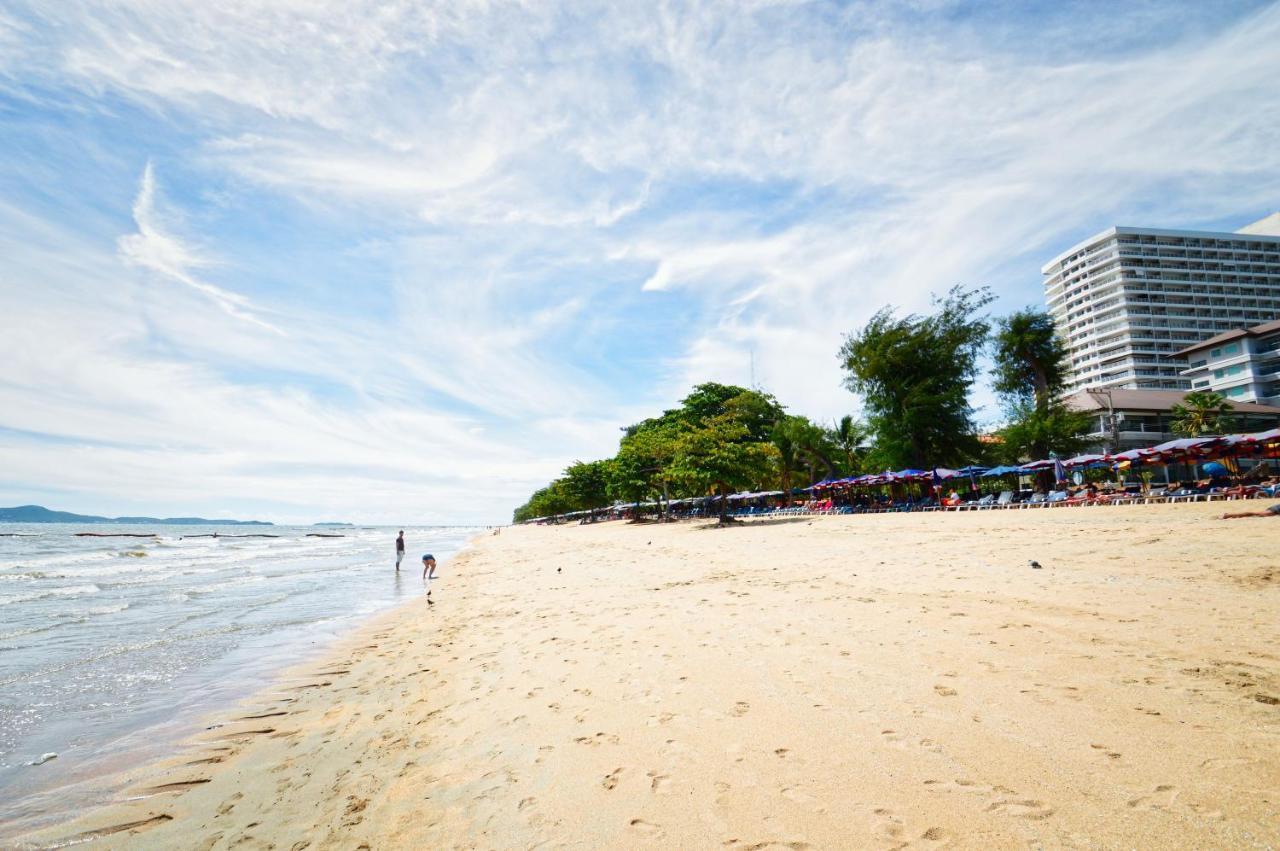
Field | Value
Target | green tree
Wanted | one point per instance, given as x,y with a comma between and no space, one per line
586,484
847,436
721,457
788,438
817,451
641,468
1202,412
550,501
1030,357
914,374
1033,433
1030,375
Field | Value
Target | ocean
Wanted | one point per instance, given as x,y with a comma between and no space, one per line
112,649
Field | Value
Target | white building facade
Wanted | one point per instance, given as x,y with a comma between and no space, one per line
1129,300
1243,365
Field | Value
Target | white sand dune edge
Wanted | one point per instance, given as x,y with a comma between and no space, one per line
851,682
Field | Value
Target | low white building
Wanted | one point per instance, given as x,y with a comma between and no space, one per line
1131,419
1243,365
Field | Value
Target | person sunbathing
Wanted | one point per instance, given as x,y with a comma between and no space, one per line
1272,510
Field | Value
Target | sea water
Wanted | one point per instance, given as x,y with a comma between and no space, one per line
112,649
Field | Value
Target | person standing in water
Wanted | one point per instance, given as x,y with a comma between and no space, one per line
399,550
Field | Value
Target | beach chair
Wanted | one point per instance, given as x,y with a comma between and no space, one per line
1004,500
1036,500
1157,495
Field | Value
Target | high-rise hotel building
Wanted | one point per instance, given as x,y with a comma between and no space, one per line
1128,300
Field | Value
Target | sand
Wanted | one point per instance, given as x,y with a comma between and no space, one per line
842,682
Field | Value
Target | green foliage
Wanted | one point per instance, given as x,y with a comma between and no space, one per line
552,500
914,374
586,484
721,456
1202,412
1030,357
640,470
711,400
847,437
646,467
1034,432
1030,375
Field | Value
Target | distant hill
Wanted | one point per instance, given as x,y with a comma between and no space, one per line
40,514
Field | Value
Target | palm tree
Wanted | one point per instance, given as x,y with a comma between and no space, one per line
783,437
1201,412
1029,356
847,434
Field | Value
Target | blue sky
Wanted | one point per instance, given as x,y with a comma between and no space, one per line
403,261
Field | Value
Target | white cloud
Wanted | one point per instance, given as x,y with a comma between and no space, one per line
153,248
523,180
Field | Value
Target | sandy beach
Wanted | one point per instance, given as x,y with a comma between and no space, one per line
877,681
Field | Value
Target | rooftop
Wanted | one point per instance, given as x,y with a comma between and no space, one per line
1267,228
1239,333
1155,401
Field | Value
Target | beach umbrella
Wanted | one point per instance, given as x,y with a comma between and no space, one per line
1186,447
1087,461
1035,466
1059,471
1214,470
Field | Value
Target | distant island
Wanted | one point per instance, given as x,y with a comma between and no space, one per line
40,514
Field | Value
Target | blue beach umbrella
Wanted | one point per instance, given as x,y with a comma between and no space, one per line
1214,470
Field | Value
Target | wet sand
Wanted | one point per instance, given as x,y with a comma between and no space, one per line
848,682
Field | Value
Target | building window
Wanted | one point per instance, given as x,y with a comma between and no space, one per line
1232,349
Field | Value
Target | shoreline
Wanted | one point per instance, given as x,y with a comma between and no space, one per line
862,681
101,777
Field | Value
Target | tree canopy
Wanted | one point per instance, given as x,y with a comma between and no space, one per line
914,374
1030,373
1202,412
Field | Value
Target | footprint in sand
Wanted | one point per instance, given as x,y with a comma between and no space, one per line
1160,798
936,835
888,826
645,827
1025,808
945,691
610,781
741,708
